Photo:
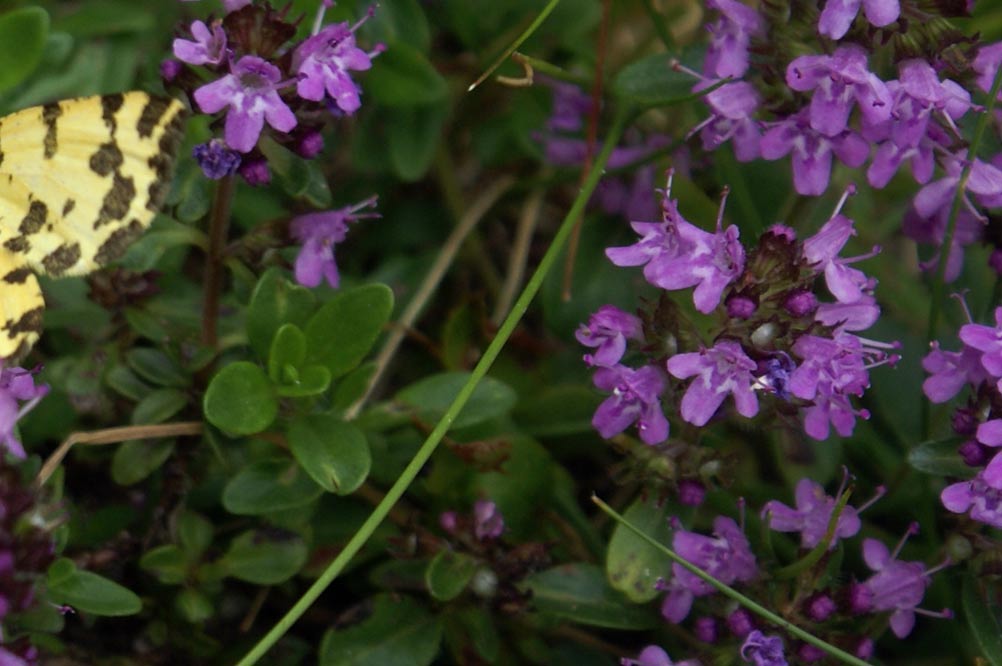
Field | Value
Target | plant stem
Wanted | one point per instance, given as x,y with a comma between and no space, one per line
538,21
428,447
219,222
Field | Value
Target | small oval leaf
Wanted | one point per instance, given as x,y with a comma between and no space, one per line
264,560
334,453
22,43
90,593
268,486
343,331
240,399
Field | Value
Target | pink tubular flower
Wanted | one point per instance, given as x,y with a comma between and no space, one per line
318,233
250,90
838,15
810,518
652,655
608,330
727,54
988,341
980,497
949,371
763,650
488,523
821,252
209,46
732,107
838,81
323,61
726,556
635,397
719,370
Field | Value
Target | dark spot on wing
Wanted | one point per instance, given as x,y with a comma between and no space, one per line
35,219
17,276
50,116
154,110
69,206
30,322
163,162
18,244
61,259
117,242
107,159
116,201
110,104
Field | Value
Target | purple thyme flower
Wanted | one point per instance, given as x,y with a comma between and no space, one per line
763,650
732,110
652,655
985,181
209,46
215,159
988,341
635,397
821,252
980,497
839,80
847,317
719,370
896,586
251,92
727,54
932,230
812,151
810,518
949,371
17,385
318,233
726,556
774,375
488,523
679,254
838,15
609,329
323,61
986,64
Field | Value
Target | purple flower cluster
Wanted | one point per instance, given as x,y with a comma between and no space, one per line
832,105
18,395
318,233
978,365
778,339
260,80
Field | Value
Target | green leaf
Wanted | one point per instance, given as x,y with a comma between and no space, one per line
275,302
106,17
398,633
240,399
332,452
156,367
432,396
311,380
22,43
983,621
88,592
168,563
298,177
651,81
194,533
263,559
165,234
402,19
343,331
352,386
268,486
632,564
413,135
580,593
136,459
448,574
561,410
939,458
288,349
401,76
159,406
125,382
194,606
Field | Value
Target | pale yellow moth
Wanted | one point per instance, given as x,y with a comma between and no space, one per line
80,179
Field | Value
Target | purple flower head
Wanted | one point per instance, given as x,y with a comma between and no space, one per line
988,341
980,497
209,46
705,629
727,54
918,94
821,252
318,233
834,369
820,607
691,492
726,556
896,586
608,330
635,397
488,523
310,145
570,106
985,181
839,81
846,317
763,650
932,229
17,385
215,159
774,375
801,303
812,151
255,171
652,655
170,69
740,623
949,371
732,107
323,61
838,15
810,518
251,92
719,370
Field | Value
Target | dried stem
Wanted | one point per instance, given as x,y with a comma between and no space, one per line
519,255
219,222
